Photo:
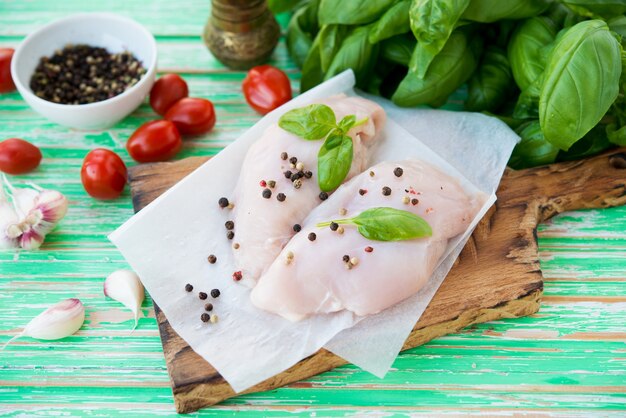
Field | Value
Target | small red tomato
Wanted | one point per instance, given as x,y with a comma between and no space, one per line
166,91
6,82
103,174
266,88
18,156
192,116
157,140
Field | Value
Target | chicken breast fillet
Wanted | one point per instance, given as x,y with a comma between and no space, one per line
263,225
311,276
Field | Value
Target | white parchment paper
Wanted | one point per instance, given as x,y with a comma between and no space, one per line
168,241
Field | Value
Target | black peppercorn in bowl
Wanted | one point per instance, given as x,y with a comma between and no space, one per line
86,71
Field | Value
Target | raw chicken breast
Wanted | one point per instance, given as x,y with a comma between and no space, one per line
264,225
318,280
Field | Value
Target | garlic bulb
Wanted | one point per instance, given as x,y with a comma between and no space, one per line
37,211
125,287
58,321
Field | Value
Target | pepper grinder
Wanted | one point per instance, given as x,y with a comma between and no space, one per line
241,33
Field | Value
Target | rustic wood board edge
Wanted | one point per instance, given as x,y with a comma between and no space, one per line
504,244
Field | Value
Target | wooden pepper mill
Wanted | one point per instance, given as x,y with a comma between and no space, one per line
241,33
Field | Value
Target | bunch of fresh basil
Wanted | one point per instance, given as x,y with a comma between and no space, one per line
552,69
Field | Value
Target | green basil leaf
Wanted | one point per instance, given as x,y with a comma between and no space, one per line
308,21
331,37
489,85
432,22
533,150
282,6
616,135
389,224
618,25
312,73
527,106
525,49
357,53
398,49
311,122
487,11
394,22
334,161
595,8
594,142
352,12
347,123
450,68
298,41
581,82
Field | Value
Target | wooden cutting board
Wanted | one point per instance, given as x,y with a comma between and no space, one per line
496,276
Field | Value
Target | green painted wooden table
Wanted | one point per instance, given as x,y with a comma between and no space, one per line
569,359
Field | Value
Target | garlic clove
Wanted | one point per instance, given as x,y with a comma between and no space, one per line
52,204
30,239
56,322
125,287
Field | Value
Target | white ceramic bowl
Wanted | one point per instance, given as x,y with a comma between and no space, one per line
107,30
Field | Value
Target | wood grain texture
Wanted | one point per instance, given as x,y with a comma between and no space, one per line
497,275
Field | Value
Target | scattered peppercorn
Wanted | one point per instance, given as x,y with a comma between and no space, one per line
372,174
289,258
214,318
202,295
208,307
188,287
334,226
230,235
267,193
369,249
297,228
292,166
362,191
414,201
296,176
346,258
223,202
308,174
312,236
300,166
236,277
340,230
271,184
81,74
323,195
398,171
406,200
229,225
215,293
236,246
205,317
293,160
297,184
281,197
284,156
354,261
262,183
386,191
288,174
212,259
343,211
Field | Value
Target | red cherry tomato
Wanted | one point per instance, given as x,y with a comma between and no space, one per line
18,156
192,116
6,82
265,88
157,140
103,174
166,91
